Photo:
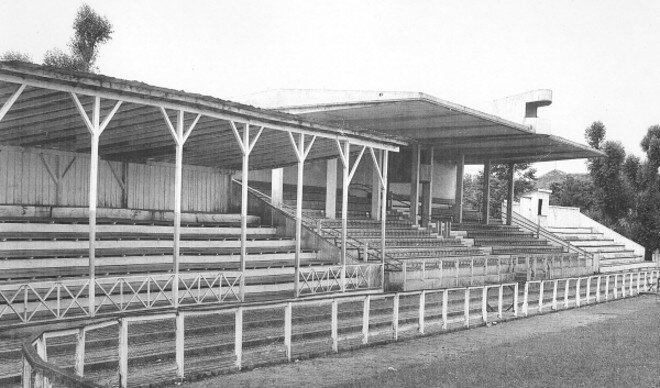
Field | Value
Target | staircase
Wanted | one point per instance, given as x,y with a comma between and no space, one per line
502,239
614,257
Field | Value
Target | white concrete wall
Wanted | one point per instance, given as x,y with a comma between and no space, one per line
562,216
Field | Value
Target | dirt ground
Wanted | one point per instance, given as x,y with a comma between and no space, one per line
614,344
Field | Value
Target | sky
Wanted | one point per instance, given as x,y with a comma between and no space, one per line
600,58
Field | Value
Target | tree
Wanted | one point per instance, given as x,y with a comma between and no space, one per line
15,56
524,181
90,31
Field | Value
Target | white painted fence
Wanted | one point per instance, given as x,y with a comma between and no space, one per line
456,307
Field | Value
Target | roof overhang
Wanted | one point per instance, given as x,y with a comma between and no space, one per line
452,128
45,115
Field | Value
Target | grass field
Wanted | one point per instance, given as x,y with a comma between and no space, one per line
615,344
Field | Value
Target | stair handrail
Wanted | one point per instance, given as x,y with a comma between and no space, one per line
313,225
527,224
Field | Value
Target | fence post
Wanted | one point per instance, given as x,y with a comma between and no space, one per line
615,289
577,292
334,328
365,319
623,285
366,252
79,366
632,283
515,299
555,285
445,302
607,287
123,353
588,296
238,337
466,307
541,296
529,268
500,302
422,308
525,299
567,288
598,283
40,379
26,378
395,316
287,329
180,343
484,304
405,275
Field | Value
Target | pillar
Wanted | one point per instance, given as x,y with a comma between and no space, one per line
458,199
277,186
509,203
375,194
427,190
486,193
414,184
331,189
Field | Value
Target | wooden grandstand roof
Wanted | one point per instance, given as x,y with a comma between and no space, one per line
45,115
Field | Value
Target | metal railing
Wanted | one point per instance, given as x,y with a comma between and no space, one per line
539,231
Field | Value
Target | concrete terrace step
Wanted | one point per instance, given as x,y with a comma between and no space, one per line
624,267
510,249
570,229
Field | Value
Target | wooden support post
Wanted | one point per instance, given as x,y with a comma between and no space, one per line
566,293
95,129
486,193
414,184
541,292
245,171
331,189
246,145
79,365
427,190
288,329
458,202
301,151
466,308
346,158
383,213
299,203
334,326
180,331
365,319
10,101
555,286
422,311
395,316
238,337
376,179
178,184
598,284
123,353
445,308
510,193
578,283
93,197
588,290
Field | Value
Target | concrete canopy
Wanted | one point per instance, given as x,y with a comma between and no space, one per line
453,129
37,109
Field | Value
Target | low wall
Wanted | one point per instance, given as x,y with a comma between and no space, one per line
562,216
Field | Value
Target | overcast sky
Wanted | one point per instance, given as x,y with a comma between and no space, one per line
600,58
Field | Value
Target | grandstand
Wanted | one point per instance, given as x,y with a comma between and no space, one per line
183,232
